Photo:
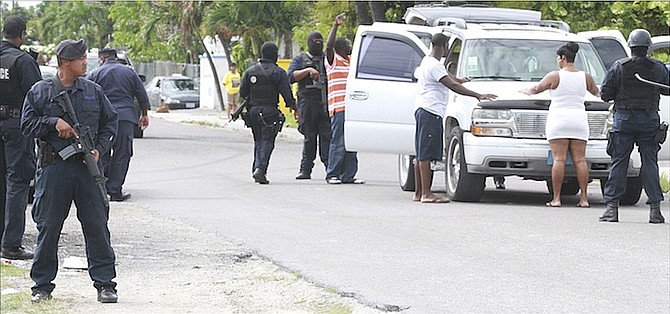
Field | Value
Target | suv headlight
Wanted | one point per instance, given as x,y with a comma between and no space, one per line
171,100
492,122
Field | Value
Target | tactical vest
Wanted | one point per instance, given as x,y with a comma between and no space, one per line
10,80
308,88
638,95
263,89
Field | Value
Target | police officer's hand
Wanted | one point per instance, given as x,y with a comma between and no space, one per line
144,122
313,73
64,129
96,154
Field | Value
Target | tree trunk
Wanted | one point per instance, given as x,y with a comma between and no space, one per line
217,83
378,10
288,45
362,13
226,47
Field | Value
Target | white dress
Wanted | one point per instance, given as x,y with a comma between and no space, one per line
567,117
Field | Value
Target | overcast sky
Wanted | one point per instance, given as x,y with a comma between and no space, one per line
23,3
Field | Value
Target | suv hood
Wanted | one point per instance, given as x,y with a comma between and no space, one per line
509,90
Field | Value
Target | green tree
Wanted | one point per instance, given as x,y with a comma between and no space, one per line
73,20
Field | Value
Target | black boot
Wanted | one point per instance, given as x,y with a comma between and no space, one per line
611,214
655,216
304,175
259,176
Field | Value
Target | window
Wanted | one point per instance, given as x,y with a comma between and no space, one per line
609,49
388,59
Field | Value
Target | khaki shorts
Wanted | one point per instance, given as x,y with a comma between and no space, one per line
232,99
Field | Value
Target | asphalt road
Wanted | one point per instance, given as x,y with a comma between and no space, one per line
507,253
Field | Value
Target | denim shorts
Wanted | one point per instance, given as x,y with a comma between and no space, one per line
428,142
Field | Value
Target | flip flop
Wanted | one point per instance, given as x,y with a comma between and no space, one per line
584,206
437,200
549,204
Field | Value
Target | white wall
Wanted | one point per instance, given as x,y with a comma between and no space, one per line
208,97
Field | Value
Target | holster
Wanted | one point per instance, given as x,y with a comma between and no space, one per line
610,143
47,154
661,133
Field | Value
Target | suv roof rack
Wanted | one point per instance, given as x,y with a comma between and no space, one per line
443,14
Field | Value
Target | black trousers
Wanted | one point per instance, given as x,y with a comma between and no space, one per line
315,127
262,120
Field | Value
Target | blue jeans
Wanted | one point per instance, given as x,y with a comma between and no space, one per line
634,127
341,163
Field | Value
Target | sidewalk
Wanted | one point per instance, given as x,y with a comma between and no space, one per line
217,119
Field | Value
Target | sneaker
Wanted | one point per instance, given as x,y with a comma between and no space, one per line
40,296
259,176
333,180
356,181
17,254
107,295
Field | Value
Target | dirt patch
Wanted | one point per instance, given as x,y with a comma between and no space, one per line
166,266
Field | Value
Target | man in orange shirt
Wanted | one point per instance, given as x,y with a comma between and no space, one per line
342,165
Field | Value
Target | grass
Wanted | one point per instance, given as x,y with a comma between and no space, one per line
17,278
665,182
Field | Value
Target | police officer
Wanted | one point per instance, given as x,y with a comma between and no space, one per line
59,182
261,85
121,85
18,72
636,121
309,71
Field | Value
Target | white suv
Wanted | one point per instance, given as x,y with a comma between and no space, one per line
502,51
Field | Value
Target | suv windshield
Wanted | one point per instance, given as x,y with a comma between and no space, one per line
522,60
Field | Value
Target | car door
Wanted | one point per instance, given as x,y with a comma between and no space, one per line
381,88
660,49
610,45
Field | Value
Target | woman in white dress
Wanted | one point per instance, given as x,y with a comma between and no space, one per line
567,124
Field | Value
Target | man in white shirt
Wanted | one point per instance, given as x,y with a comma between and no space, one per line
431,104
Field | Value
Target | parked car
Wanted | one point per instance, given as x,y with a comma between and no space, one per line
47,71
176,91
502,51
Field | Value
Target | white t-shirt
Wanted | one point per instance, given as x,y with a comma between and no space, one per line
432,94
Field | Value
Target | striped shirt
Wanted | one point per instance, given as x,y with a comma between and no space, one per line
337,83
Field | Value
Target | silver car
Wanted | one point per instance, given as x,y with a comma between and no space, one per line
176,91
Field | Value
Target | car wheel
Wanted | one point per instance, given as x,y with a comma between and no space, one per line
461,185
406,172
570,187
633,190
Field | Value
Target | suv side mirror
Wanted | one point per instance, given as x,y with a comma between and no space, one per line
143,78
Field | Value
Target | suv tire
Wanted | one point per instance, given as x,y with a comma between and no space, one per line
633,190
461,185
406,173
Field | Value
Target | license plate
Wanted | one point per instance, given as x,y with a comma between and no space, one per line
190,105
550,159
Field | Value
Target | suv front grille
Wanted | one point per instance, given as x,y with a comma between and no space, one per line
531,123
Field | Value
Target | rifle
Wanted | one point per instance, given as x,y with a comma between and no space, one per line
238,112
83,143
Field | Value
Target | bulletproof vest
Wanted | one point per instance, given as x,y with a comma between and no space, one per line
10,80
263,88
307,87
638,95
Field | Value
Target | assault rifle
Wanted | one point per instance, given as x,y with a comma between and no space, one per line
236,115
83,143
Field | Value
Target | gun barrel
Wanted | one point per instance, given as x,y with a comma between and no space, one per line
641,79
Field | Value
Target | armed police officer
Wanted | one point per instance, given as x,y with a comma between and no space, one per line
60,180
261,85
121,85
309,71
636,121
18,72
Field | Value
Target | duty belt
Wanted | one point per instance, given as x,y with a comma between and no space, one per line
9,112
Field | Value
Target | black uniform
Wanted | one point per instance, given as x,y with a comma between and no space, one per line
313,108
18,72
262,84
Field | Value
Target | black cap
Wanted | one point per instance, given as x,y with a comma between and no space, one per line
70,50
105,51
